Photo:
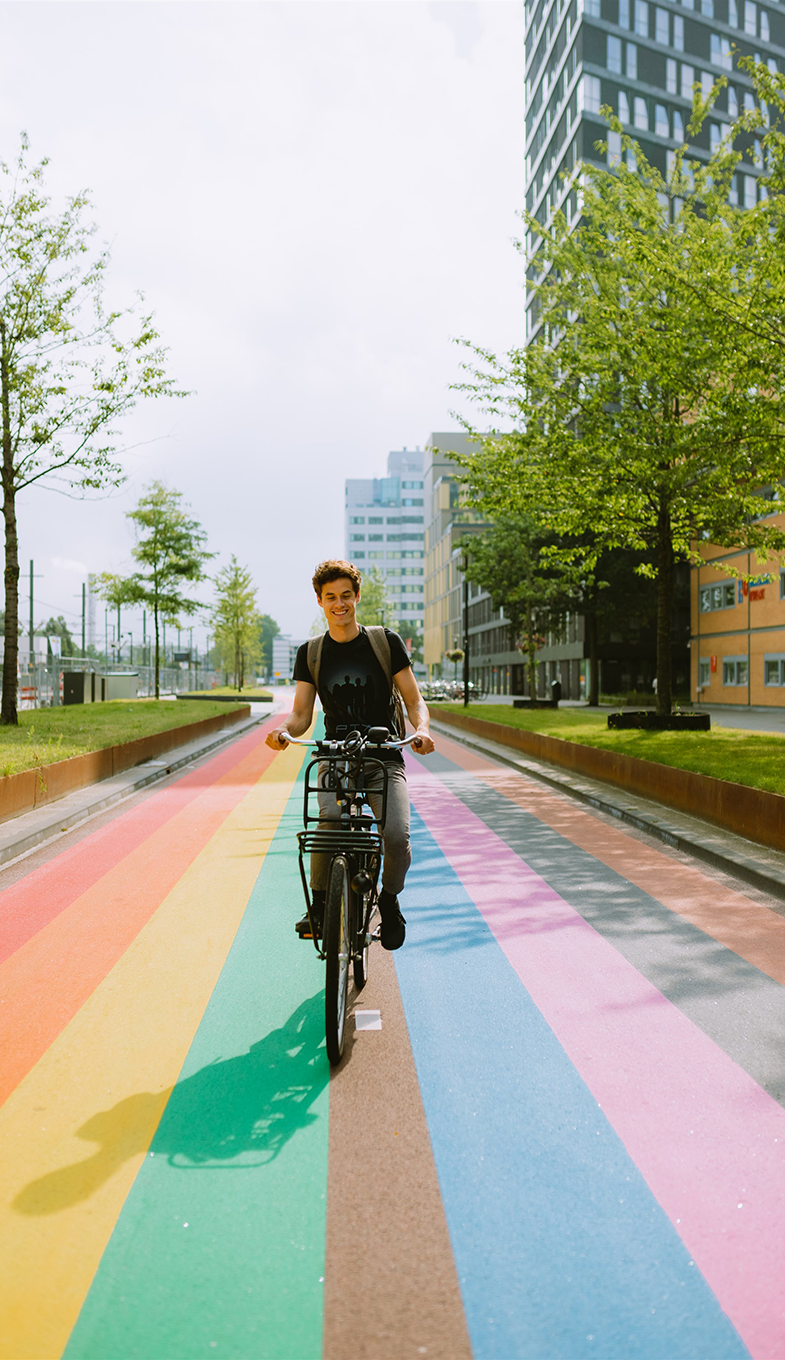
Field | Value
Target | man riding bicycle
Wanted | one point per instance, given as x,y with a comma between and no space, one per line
357,673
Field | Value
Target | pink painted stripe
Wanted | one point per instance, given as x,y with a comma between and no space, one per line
708,1140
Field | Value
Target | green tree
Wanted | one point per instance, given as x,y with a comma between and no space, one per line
171,554
57,627
268,629
69,369
236,620
376,606
637,409
510,561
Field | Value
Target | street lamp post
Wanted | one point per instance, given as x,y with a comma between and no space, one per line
462,553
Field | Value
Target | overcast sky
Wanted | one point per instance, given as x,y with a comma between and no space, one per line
316,199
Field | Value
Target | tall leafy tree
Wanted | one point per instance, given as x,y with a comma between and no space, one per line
638,411
171,556
268,629
69,368
376,605
236,620
510,561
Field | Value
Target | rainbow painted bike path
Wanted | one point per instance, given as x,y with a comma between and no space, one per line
567,1140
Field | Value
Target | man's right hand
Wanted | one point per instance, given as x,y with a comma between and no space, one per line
278,739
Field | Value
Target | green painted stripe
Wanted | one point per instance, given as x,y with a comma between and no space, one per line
240,1157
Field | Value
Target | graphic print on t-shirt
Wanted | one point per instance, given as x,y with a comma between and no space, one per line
352,684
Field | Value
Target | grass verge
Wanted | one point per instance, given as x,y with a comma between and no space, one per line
45,735
756,759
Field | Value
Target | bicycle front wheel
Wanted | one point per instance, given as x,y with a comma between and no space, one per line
337,948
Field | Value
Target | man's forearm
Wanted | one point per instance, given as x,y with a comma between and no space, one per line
418,715
296,724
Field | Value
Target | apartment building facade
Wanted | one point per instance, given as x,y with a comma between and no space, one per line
738,628
384,529
641,59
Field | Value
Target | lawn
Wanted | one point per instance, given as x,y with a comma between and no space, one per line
48,734
743,757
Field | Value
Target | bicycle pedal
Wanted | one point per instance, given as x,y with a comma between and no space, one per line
304,932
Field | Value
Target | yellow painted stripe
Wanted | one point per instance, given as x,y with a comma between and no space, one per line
106,1079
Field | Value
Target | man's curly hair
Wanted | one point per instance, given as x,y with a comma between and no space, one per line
332,570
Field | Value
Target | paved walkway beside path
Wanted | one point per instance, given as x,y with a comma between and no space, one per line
565,1139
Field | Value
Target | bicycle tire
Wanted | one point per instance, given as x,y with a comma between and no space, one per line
337,948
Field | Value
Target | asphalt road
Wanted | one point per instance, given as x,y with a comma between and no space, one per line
563,1137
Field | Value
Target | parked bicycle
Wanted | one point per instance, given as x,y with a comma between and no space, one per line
355,848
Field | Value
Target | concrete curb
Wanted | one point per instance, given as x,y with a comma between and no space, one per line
757,865
31,829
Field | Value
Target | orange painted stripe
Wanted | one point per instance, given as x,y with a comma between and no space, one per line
754,932
27,906
45,982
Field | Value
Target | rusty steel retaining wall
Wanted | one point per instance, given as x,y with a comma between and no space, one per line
32,788
754,813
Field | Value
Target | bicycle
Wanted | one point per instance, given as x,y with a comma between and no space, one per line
355,849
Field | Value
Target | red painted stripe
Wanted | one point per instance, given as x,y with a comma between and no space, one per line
28,905
44,983
708,1140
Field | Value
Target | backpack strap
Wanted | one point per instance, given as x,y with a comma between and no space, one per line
381,650
314,657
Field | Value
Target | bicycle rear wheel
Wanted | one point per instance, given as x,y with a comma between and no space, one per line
337,948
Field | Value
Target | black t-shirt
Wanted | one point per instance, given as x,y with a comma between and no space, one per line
352,687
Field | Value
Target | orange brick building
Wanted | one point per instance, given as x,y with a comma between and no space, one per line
738,630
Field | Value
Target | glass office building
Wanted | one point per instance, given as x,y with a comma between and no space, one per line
384,529
642,59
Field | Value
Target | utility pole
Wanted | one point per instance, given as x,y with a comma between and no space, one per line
84,619
106,637
119,641
464,564
32,618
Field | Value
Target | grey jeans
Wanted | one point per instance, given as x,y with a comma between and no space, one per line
395,837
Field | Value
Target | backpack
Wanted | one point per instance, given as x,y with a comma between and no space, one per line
381,650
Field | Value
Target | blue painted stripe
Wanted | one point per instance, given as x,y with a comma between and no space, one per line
561,1249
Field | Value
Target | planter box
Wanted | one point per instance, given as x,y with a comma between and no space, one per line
32,788
754,813
648,721
228,698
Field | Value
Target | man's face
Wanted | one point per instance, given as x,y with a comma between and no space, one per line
339,601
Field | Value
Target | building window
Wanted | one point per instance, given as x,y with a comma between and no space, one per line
764,26
357,519
624,107
750,191
733,14
624,13
642,18
613,55
413,500
750,19
661,121
412,486
720,52
707,84
376,538
357,538
591,94
592,8
678,125
734,670
733,102
375,519
661,26
641,114
678,32
632,61
707,9
722,596
360,554
704,671
376,554
687,78
614,148
774,669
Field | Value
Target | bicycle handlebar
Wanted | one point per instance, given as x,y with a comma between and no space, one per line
311,741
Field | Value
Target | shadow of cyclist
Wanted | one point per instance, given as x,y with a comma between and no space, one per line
236,1113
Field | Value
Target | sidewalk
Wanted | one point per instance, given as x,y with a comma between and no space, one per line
755,864
23,833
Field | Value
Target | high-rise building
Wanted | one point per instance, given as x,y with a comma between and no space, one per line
384,529
642,59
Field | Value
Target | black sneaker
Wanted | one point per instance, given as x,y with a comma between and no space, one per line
303,926
393,931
